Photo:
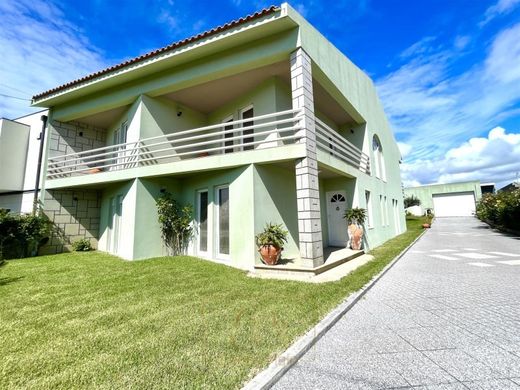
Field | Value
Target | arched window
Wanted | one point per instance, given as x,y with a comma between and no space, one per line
378,164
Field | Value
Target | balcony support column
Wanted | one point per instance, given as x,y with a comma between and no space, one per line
307,185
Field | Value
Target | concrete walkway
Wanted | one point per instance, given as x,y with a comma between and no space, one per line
446,316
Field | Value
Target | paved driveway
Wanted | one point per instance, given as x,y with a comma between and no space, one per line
446,316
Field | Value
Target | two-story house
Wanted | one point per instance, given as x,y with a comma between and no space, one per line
259,120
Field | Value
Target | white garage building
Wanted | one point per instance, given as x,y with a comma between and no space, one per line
448,200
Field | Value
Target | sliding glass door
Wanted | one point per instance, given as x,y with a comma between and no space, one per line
222,222
202,222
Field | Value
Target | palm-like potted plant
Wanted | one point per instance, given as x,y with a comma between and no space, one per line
270,243
355,219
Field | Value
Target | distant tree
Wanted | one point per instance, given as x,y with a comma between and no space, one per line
410,201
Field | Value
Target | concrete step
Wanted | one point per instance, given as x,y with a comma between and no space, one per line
339,263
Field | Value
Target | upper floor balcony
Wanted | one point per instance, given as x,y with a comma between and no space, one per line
270,137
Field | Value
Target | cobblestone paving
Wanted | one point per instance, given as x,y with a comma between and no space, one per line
446,316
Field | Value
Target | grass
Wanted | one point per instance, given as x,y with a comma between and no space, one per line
91,320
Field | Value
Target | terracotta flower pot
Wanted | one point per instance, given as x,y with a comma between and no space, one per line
426,225
355,235
270,254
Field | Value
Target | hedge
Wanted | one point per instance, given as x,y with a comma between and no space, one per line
22,235
501,209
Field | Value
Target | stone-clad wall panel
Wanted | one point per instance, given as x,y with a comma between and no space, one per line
75,215
73,137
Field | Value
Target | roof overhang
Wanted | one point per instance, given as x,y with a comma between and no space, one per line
243,31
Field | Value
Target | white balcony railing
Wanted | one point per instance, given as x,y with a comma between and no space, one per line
336,145
260,132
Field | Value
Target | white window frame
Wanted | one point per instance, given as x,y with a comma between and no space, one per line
208,238
368,199
379,160
240,116
224,147
218,255
381,206
387,220
115,215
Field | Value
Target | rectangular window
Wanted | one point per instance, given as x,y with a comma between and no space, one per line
369,209
115,214
387,222
228,144
248,113
382,208
202,221
223,221
397,222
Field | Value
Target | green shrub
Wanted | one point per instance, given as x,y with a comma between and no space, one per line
22,235
501,209
82,245
176,228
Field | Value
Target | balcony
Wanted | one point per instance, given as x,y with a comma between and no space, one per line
330,141
261,132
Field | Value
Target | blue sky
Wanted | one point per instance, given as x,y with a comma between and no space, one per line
448,72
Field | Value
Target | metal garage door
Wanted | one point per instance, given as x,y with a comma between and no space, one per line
460,204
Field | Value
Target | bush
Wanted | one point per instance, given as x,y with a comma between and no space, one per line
82,245
22,235
501,209
410,201
176,228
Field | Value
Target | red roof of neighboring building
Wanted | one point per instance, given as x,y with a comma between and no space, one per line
173,46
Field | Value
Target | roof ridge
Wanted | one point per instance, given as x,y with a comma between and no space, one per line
153,53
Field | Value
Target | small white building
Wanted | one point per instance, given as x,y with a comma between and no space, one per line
19,151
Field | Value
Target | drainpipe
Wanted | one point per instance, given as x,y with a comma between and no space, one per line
39,168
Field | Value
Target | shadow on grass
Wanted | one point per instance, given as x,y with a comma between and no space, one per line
6,281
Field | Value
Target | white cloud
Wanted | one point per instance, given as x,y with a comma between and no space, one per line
502,7
505,48
301,8
168,19
433,109
421,47
495,158
461,41
40,50
404,148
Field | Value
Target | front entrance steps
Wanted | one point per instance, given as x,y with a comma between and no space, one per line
339,262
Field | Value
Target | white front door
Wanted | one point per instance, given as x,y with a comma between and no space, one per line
336,206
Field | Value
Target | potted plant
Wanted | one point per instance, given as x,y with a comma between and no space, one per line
355,219
270,243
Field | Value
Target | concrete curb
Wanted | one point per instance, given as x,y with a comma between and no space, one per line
268,377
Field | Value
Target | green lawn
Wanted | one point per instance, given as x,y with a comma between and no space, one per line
92,320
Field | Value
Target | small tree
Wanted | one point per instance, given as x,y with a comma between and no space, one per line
411,200
176,228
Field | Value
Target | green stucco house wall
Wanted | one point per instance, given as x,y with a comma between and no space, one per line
450,199
261,120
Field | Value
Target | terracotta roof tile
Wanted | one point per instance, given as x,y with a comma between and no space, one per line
173,46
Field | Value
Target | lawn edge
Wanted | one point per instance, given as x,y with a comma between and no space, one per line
272,374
